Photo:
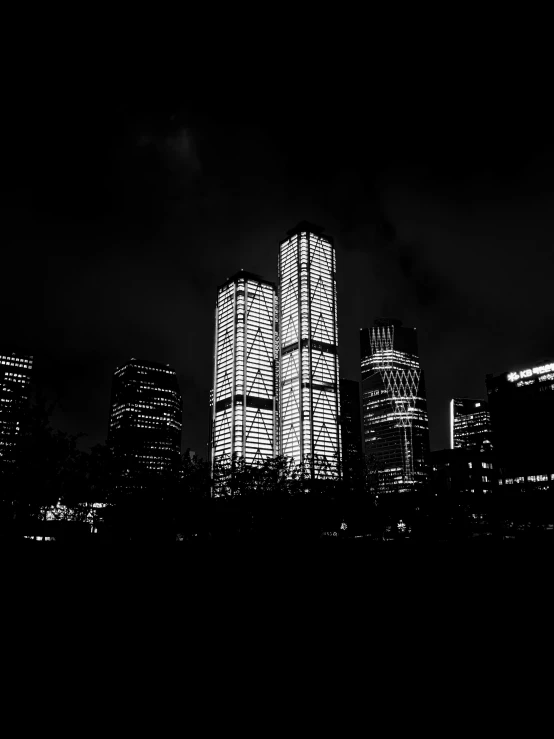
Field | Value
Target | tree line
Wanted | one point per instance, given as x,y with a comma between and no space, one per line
51,488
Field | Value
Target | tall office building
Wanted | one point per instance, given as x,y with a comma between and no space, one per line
15,379
351,425
309,403
146,417
243,402
394,406
521,406
470,424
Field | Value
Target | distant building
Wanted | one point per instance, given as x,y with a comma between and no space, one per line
463,471
521,405
309,401
470,424
243,401
394,405
351,425
15,380
145,417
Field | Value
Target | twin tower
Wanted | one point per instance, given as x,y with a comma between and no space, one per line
276,364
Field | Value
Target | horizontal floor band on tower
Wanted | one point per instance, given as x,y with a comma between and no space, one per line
321,346
251,402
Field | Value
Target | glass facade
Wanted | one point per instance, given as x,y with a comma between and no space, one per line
146,417
309,427
15,380
394,406
470,425
243,402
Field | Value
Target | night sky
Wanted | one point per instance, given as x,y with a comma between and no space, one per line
122,214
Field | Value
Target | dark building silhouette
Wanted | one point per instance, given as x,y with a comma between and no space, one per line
15,380
308,350
351,425
394,405
521,406
463,471
145,418
470,424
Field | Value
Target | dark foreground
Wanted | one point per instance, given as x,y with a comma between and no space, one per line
249,620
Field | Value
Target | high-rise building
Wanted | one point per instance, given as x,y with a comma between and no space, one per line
243,402
470,425
146,417
351,426
463,470
15,379
521,407
394,406
309,404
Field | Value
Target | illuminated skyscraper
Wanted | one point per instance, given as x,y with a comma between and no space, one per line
308,350
146,417
470,424
243,403
394,407
15,378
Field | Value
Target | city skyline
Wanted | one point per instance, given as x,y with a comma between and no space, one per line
442,430
118,251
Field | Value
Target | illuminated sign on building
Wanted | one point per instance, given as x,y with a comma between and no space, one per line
513,376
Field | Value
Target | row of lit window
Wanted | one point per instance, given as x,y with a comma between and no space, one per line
17,375
530,478
11,362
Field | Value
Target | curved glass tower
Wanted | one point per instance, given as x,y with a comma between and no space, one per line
396,427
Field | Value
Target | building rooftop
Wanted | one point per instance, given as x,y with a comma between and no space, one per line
306,226
243,274
384,321
144,362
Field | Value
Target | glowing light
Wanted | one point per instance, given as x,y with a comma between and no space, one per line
452,424
513,376
525,382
